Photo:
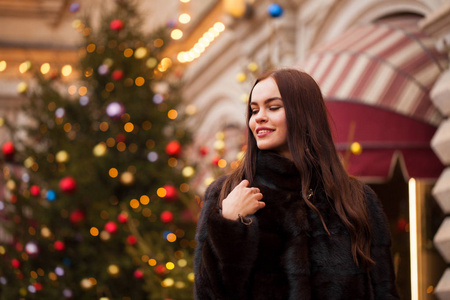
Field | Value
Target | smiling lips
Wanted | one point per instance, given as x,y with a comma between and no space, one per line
263,131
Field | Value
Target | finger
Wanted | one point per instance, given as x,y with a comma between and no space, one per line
244,183
258,196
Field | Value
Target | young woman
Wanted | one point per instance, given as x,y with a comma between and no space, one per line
290,223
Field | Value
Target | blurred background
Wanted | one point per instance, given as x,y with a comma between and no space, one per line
116,115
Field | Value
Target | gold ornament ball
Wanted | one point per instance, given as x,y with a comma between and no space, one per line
99,150
22,88
252,67
356,148
127,178
140,52
245,98
188,171
113,270
28,163
191,110
86,284
219,145
235,8
11,185
241,77
62,156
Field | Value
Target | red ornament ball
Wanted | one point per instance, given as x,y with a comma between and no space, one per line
166,216
59,246
160,269
131,240
120,138
116,25
68,185
35,190
8,150
204,150
171,193
77,216
122,217
15,263
215,160
173,149
138,274
117,75
111,227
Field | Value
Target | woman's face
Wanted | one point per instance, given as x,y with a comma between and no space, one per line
268,118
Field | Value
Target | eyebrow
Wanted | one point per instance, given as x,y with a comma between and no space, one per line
267,101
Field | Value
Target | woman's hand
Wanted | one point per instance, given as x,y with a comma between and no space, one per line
242,200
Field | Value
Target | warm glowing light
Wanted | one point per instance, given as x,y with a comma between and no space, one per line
219,26
139,81
90,48
82,90
167,282
184,18
172,114
94,231
158,43
176,34
72,90
222,163
161,192
170,265
25,66
66,70
113,270
413,240
152,262
128,52
45,68
2,65
134,203
182,262
144,200
171,238
188,171
164,64
128,127
113,172
214,32
185,1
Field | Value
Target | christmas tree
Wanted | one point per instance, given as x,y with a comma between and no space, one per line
95,203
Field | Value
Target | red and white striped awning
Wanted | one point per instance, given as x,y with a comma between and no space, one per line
390,64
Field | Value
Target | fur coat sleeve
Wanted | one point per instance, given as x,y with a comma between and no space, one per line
225,251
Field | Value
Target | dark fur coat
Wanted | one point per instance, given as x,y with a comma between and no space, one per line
286,253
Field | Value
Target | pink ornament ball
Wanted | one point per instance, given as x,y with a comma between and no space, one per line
115,110
117,75
77,216
15,263
116,25
35,190
59,246
122,217
166,216
131,240
111,227
68,185
138,274
171,193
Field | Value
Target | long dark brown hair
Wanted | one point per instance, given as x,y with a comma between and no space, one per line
314,154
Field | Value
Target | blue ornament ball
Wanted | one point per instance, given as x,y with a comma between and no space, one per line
51,195
74,7
275,10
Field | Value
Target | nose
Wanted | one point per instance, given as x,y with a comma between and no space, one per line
261,117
